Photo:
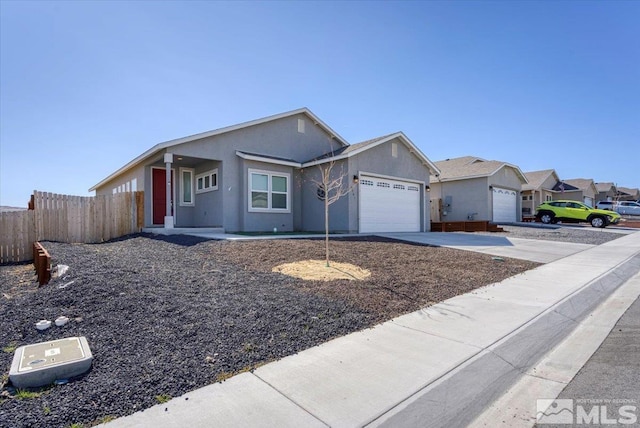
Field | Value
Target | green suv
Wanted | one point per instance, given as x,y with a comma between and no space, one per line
575,212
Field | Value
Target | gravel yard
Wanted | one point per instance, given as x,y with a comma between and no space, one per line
164,316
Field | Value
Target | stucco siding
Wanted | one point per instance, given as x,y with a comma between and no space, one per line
209,206
131,180
470,196
380,161
263,221
313,207
279,138
571,195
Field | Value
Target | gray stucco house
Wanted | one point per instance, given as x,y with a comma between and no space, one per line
539,189
472,188
261,175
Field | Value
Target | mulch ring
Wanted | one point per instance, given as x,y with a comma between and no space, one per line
166,315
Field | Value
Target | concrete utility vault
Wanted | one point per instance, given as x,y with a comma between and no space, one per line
42,363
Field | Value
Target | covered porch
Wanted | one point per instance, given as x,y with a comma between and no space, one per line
182,192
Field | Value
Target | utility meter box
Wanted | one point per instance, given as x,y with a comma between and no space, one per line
42,363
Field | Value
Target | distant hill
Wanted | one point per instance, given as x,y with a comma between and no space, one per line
4,209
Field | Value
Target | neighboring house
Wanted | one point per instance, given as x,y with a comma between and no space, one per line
259,176
606,192
471,188
628,194
539,189
577,189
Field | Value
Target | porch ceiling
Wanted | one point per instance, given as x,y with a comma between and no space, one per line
184,161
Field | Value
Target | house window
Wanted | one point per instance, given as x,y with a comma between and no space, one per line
268,191
186,187
524,197
207,181
394,150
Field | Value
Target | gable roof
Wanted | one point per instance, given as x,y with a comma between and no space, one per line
354,149
605,187
563,186
171,143
629,191
580,183
466,167
536,178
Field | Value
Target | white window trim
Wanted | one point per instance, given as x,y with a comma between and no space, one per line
269,174
210,173
193,186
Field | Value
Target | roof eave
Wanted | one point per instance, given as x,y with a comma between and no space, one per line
265,159
412,149
182,140
132,164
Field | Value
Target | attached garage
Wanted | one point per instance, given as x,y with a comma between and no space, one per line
504,205
388,205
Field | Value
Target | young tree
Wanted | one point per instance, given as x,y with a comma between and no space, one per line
331,187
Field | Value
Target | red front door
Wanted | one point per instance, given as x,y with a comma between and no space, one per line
160,194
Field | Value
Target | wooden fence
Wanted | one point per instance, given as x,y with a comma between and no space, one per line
42,263
17,235
64,218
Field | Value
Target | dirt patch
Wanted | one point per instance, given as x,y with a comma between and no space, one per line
317,270
17,279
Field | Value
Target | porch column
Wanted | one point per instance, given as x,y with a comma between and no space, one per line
168,217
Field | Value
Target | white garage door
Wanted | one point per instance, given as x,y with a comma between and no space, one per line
588,201
504,205
389,205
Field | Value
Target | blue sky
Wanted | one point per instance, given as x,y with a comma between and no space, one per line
87,86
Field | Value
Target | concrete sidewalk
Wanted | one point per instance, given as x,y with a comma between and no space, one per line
440,366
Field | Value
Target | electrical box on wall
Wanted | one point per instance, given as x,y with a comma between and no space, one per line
448,203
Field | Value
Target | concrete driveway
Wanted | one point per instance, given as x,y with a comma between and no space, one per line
517,248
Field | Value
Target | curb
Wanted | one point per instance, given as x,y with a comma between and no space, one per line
462,394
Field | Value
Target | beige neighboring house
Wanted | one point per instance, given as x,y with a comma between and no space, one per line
472,188
577,189
538,190
606,192
628,194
